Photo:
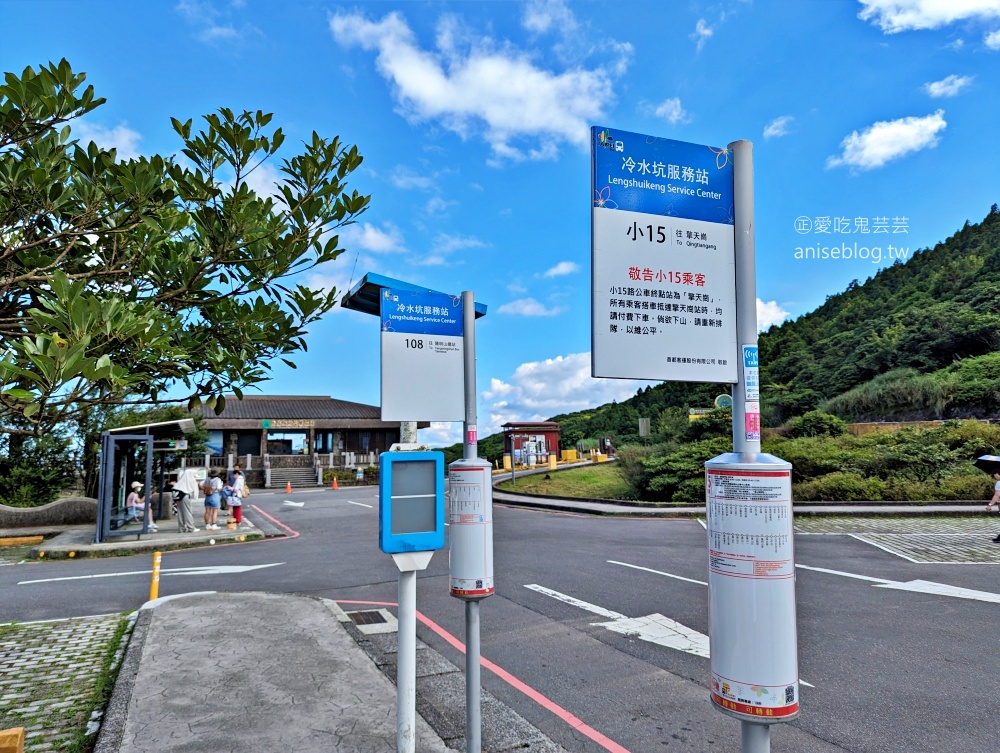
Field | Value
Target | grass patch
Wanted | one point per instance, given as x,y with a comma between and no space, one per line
83,742
601,481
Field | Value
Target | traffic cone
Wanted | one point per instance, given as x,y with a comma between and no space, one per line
288,487
334,485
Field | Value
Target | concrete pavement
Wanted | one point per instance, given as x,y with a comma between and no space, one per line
277,672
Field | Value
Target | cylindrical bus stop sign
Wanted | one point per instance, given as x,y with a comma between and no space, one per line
751,582
470,519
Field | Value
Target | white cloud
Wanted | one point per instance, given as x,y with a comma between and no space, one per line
778,127
948,86
702,33
887,140
405,178
445,243
263,181
527,307
992,40
561,269
441,434
672,111
119,137
483,89
768,314
209,26
437,205
907,15
542,15
370,238
541,389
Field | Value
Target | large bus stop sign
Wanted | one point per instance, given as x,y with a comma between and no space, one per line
423,366
664,269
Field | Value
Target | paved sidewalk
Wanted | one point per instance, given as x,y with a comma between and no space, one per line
250,672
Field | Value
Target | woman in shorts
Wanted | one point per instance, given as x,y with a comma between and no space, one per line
212,487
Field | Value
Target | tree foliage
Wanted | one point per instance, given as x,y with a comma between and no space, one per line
121,279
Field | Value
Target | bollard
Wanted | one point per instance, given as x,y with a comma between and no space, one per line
154,586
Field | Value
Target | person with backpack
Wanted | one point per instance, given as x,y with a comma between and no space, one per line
211,487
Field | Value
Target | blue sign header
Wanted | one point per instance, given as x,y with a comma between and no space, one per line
421,313
660,176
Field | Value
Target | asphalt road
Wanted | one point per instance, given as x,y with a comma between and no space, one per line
892,670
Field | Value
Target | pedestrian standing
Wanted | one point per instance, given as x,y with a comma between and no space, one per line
184,489
995,500
211,487
236,500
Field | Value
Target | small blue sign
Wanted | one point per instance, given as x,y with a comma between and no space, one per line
411,502
750,357
421,313
661,176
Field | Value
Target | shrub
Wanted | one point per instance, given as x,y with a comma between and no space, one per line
630,466
816,424
979,486
841,486
680,475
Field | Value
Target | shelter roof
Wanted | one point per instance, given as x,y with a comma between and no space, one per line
315,407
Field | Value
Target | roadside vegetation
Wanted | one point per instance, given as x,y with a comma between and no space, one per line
588,482
911,464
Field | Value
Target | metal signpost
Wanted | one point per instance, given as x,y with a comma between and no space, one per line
428,350
674,298
411,529
470,515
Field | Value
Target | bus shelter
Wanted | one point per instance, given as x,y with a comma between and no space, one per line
126,455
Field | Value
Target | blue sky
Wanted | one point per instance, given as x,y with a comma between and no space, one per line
474,120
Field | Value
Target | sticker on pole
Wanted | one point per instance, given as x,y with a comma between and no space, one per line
754,661
470,516
751,373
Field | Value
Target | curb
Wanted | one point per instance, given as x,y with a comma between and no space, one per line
112,732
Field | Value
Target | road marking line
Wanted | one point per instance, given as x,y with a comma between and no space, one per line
654,628
63,619
943,589
859,537
658,572
685,628
211,570
359,504
846,575
289,503
549,705
577,602
918,586
663,631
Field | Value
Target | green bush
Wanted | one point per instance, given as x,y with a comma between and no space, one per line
630,465
815,424
979,486
841,486
34,471
679,476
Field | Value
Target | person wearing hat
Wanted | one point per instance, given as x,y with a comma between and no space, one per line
137,504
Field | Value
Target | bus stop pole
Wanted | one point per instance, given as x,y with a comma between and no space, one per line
755,738
473,724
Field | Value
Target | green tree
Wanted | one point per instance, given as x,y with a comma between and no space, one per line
122,279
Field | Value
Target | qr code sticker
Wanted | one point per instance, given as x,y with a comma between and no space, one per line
790,694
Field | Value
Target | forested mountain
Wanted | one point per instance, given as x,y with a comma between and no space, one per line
941,306
920,339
